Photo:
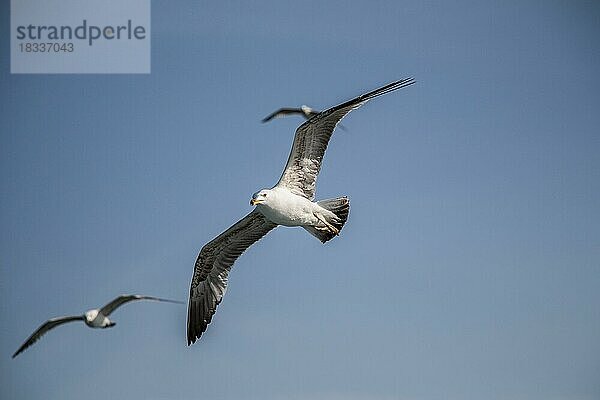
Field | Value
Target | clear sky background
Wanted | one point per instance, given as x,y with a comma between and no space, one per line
470,264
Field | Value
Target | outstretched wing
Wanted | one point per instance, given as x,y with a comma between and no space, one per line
214,262
312,137
45,327
282,112
126,298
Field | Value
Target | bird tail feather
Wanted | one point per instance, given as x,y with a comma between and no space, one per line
340,207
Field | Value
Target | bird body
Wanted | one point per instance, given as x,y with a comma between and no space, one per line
290,203
283,207
308,112
95,319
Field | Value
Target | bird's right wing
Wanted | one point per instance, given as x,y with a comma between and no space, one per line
312,137
45,327
281,112
126,298
211,271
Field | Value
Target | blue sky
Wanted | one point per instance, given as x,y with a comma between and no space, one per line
469,267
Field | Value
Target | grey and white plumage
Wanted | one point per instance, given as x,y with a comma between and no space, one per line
289,203
95,318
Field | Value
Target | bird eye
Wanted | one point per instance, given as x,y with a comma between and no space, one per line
264,194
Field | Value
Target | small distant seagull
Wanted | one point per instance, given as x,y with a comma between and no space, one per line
289,203
305,111
96,318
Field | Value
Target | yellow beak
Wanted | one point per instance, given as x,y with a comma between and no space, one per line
255,202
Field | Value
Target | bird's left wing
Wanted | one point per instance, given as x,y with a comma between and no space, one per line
45,327
312,138
211,271
126,298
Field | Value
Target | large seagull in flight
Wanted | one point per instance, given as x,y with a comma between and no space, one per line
289,203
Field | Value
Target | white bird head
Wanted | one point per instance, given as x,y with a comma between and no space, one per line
260,197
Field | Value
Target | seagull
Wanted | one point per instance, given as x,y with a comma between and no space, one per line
289,203
305,111
96,318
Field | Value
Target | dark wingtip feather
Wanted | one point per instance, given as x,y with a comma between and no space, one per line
390,87
171,301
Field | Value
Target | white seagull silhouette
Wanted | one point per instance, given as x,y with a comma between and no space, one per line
289,203
96,318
